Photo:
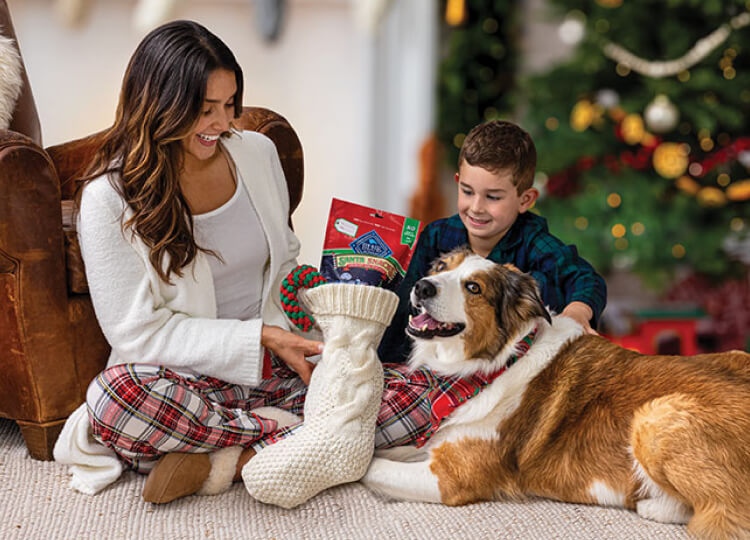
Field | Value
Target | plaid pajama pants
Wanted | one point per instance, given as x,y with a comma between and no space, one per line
144,411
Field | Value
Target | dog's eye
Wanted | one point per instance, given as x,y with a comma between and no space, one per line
440,266
473,287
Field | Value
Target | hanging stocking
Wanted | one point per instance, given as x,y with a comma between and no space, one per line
336,442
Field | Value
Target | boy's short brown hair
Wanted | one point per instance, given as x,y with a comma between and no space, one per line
499,146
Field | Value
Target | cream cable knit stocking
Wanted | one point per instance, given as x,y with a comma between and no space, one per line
336,442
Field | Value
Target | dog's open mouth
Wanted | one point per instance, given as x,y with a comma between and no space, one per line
425,327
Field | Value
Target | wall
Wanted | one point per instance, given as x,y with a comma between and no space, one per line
315,75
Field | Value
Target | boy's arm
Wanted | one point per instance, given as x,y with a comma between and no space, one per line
566,280
396,345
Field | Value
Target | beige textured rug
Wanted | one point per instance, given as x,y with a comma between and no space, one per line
35,502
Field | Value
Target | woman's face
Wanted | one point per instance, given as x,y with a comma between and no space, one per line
215,116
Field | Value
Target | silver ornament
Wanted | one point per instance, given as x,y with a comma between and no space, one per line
573,28
661,115
607,98
744,158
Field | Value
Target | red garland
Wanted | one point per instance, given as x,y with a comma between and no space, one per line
565,183
724,155
302,276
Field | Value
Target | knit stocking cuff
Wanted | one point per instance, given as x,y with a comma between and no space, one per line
360,301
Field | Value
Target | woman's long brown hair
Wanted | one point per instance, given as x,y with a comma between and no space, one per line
161,99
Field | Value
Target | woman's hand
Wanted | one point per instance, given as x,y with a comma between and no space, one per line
292,349
580,313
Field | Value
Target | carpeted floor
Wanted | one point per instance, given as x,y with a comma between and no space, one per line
36,503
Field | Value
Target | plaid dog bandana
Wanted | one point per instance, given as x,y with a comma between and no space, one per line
450,393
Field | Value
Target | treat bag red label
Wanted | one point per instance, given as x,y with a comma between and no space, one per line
368,246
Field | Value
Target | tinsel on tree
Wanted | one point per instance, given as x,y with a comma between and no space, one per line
643,135
477,69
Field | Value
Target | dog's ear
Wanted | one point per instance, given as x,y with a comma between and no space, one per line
519,300
533,299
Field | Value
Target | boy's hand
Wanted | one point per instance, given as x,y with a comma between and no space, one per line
580,313
292,349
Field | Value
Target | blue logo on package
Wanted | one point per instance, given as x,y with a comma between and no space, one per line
371,244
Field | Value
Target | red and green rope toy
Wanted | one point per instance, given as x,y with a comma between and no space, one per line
303,276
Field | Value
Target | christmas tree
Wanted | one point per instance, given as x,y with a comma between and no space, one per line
643,135
477,70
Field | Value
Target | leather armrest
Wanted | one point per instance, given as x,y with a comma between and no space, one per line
275,127
34,295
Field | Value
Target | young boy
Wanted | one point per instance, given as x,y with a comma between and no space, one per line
495,175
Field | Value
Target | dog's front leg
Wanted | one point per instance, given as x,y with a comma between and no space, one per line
411,481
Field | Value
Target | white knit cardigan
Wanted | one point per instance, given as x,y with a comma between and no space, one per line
148,321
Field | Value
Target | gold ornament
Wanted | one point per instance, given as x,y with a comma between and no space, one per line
582,115
632,128
739,191
711,196
688,185
670,159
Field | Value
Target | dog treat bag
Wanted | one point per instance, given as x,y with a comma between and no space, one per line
368,246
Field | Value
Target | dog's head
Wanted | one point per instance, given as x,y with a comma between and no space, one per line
469,298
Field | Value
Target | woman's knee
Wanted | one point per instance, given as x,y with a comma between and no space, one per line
112,387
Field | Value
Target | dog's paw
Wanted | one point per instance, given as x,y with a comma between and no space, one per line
375,479
405,481
664,509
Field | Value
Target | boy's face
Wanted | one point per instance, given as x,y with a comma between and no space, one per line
488,203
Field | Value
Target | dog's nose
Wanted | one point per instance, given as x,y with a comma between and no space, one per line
424,289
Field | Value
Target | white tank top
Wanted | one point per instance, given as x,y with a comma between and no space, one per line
234,232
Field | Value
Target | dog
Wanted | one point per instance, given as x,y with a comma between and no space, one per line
576,418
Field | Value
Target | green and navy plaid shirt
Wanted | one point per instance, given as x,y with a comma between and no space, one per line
562,276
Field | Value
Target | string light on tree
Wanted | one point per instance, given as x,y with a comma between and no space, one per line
614,200
739,191
711,196
678,251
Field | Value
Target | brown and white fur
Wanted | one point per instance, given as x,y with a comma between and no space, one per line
577,418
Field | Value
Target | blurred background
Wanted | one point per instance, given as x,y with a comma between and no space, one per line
639,109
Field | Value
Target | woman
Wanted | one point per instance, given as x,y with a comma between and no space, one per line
183,230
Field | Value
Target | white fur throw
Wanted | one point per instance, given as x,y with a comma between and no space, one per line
11,81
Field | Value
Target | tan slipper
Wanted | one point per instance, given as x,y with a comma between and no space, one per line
176,475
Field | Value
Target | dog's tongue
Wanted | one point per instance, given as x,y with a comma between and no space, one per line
424,319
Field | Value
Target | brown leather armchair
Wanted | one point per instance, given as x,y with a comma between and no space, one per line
51,346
